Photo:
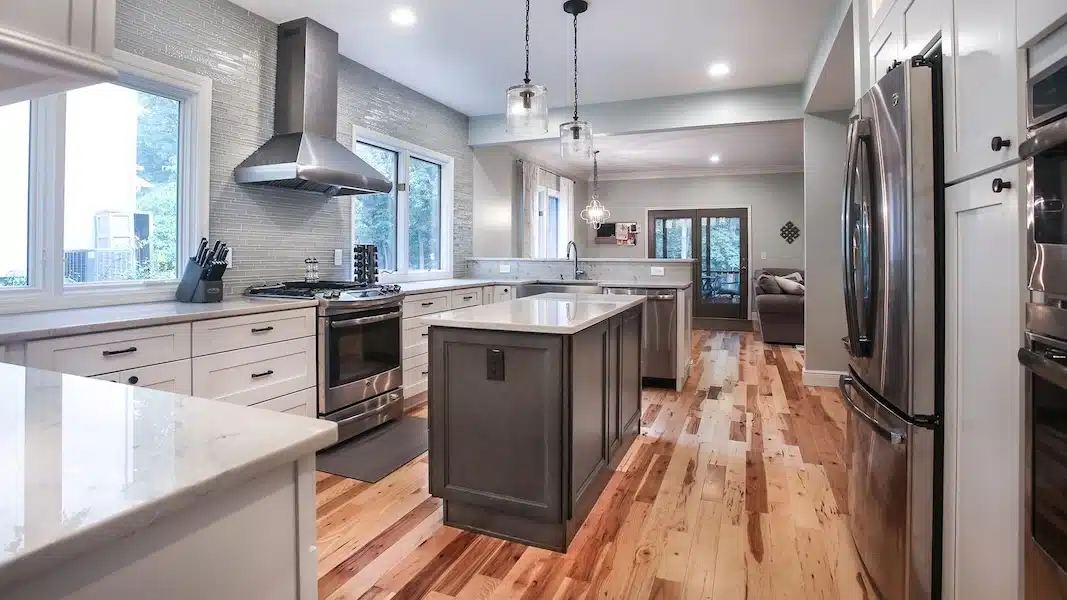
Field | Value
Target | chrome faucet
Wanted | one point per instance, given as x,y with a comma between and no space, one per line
578,273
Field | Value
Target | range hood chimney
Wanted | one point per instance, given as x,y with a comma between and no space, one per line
304,153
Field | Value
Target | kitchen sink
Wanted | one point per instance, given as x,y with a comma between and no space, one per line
561,287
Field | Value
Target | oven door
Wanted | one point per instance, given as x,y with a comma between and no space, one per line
362,354
1046,467
1046,153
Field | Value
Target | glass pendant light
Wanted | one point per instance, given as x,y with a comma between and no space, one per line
576,137
527,108
595,213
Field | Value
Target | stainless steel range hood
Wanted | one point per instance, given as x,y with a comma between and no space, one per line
304,153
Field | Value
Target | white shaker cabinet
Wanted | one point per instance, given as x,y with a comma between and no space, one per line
983,382
887,45
1038,17
981,71
50,46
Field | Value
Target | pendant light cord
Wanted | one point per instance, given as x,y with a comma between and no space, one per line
596,177
576,67
527,80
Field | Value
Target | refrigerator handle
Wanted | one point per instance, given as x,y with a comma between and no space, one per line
847,242
868,245
893,437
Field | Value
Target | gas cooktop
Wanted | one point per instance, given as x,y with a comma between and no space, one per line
342,291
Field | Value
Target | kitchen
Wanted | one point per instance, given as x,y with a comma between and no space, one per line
201,81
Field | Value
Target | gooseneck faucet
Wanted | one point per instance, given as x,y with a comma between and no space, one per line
578,273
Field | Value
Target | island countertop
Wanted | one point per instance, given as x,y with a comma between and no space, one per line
556,313
85,462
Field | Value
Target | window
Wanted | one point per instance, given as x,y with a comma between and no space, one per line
552,228
105,189
412,225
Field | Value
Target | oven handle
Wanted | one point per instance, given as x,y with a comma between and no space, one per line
1043,367
364,320
893,437
1043,139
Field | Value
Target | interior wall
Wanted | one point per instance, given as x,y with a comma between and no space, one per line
496,188
774,199
824,306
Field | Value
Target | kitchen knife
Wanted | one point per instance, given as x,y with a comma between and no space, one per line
222,252
201,251
214,252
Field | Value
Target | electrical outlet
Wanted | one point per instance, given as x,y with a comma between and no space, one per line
763,256
229,257
658,271
505,268
338,257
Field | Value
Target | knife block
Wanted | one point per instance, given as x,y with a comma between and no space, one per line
194,289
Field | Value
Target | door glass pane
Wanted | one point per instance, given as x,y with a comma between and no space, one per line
374,215
720,259
677,238
424,216
14,194
360,351
120,212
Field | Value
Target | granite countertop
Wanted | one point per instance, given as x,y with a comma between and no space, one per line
84,462
556,313
22,327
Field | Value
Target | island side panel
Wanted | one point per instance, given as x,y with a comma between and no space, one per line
496,438
631,347
589,415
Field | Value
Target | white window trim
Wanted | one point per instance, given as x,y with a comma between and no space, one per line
47,156
406,150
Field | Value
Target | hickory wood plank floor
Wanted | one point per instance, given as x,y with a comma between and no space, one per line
735,489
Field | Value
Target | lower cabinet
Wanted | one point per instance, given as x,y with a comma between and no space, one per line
252,375
526,428
300,403
175,377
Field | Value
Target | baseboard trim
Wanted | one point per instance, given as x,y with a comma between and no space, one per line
822,378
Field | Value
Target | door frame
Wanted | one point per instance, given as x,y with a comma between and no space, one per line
750,314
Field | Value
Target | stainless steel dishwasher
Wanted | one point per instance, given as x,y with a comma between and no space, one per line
659,363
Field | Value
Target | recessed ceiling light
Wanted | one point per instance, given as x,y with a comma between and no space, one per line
403,16
715,158
719,69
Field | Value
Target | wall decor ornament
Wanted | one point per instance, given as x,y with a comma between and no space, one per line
790,232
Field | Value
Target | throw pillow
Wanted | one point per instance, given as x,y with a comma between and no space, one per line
797,277
790,287
768,284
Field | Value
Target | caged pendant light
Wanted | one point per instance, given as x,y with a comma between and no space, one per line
576,137
527,104
596,214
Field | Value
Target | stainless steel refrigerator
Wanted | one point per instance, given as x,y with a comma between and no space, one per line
893,285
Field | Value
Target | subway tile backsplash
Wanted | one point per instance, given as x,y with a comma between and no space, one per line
273,231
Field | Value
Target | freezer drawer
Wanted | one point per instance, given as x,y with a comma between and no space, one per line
890,465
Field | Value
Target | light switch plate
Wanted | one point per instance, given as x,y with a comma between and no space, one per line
338,257
505,268
658,271
763,255
229,257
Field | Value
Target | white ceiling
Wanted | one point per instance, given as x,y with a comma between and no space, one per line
465,53
756,148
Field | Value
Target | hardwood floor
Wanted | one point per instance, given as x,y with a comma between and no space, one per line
736,489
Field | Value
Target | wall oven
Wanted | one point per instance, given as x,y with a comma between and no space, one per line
360,353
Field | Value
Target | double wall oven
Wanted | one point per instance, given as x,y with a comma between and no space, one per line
1045,353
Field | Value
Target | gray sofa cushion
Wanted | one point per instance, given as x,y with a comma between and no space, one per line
780,304
768,284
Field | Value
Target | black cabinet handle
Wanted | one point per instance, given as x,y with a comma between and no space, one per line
468,297
427,303
263,374
262,329
129,350
425,335
999,144
999,185
133,380
425,372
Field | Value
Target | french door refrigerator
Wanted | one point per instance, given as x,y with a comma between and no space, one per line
893,285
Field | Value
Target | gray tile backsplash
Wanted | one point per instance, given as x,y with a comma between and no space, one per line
601,270
271,230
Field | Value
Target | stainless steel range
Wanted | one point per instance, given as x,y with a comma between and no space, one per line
359,350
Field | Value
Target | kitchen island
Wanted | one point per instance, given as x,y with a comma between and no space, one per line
532,404
114,491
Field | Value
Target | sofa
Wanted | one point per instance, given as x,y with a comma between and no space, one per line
781,316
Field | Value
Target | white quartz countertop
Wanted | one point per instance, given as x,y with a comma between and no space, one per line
84,462
564,314
650,285
441,285
75,321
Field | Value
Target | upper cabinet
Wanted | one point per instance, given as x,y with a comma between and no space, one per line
1038,17
50,46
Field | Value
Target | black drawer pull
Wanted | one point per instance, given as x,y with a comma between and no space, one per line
262,329
263,374
468,297
133,380
425,335
427,303
425,372
129,350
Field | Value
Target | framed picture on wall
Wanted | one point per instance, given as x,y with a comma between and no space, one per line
617,234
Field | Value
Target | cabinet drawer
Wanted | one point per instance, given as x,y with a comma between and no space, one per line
415,375
298,403
503,293
425,304
416,337
222,335
251,375
174,377
462,298
97,353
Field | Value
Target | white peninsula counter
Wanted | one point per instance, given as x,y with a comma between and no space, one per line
112,491
533,402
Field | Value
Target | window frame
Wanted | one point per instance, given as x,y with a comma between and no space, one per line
542,244
47,148
406,152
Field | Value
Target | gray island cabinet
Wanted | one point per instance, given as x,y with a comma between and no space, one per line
533,403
